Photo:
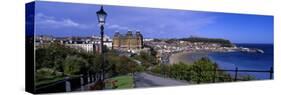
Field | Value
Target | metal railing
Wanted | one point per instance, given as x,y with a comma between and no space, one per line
215,75
68,84
270,71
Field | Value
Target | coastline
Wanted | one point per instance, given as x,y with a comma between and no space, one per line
187,57
230,60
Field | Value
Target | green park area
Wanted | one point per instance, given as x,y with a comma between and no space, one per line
120,82
54,62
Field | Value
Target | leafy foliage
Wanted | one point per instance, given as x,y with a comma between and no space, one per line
202,71
73,64
45,74
56,58
121,65
146,58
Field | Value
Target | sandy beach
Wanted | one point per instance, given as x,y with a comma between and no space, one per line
186,57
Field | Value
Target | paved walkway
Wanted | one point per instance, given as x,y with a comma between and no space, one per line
148,80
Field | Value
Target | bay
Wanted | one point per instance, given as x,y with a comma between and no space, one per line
246,61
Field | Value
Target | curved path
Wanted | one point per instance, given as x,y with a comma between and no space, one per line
148,80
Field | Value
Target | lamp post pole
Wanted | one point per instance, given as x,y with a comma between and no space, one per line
102,51
101,14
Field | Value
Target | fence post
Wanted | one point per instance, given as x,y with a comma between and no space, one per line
199,76
164,73
215,75
198,80
95,75
271,73
98,76
67,84
81,82
88,78
92,76
236,70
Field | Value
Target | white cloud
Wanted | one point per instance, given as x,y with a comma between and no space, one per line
117,27
46,21
163,22
68,22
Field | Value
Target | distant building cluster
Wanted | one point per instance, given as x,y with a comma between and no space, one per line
88,44
166,48
128,41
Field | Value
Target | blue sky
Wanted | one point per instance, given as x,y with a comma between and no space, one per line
69,19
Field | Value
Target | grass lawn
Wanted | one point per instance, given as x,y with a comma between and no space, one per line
123,81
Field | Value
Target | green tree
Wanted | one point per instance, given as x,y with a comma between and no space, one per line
74,64
202,71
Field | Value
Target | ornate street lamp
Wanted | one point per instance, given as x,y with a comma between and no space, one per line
101,14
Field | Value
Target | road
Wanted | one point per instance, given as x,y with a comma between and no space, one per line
148,80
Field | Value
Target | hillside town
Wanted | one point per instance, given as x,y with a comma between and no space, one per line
130,44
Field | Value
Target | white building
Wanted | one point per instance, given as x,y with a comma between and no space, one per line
105,38
108,44
82,46
147,39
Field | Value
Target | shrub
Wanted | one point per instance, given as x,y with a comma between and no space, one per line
73,64
202,71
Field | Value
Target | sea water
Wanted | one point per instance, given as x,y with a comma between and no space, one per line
246,61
